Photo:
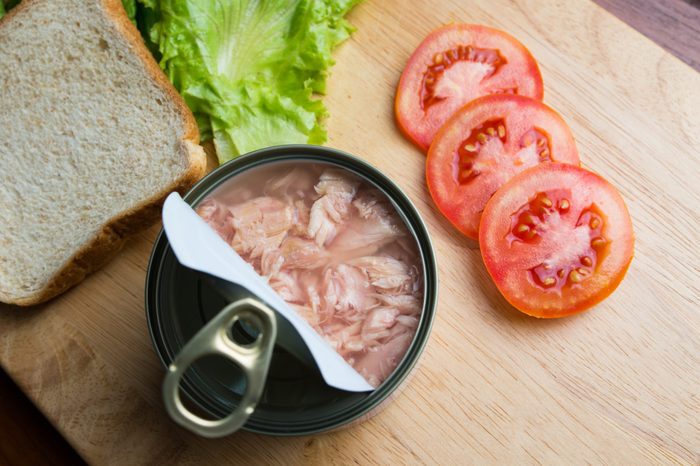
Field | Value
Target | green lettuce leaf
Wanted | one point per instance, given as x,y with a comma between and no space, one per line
250,70
130,7
7,5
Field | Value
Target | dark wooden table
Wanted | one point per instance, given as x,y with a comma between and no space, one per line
26,437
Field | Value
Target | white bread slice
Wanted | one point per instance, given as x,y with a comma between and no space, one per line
92,139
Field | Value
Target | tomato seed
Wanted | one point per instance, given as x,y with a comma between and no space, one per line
594,223
585,260
465,175
564,205
598,242
522,228
501,131
575,277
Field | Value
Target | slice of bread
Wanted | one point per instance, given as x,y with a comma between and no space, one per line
92,139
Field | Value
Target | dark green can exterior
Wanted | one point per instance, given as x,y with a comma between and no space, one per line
296,401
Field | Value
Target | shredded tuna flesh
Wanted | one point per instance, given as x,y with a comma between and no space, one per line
335,250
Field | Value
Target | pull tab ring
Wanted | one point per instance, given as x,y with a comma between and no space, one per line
214,339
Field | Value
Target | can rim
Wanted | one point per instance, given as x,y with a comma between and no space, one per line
403,205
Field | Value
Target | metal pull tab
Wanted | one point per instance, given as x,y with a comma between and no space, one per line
214,339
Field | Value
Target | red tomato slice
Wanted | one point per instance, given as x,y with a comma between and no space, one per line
454,65
556,239
485,144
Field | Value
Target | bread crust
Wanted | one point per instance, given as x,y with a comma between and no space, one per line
109,240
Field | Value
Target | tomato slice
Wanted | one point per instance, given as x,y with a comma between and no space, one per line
454,65
485,144
556,239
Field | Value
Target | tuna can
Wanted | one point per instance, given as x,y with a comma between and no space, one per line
295,399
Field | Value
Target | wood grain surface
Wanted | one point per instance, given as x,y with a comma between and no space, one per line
618,384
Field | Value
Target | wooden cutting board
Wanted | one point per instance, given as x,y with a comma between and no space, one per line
619,384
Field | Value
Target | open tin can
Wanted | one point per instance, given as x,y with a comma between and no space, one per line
295,399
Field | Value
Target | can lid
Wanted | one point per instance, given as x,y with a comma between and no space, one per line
295,401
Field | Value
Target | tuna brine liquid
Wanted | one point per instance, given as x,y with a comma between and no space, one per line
334,248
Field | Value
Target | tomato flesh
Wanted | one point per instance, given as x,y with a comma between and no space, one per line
547,212
556,239
431,91
454,65
486,143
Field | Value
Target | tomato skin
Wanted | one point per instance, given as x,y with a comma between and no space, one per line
509,263
520,71
462,203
